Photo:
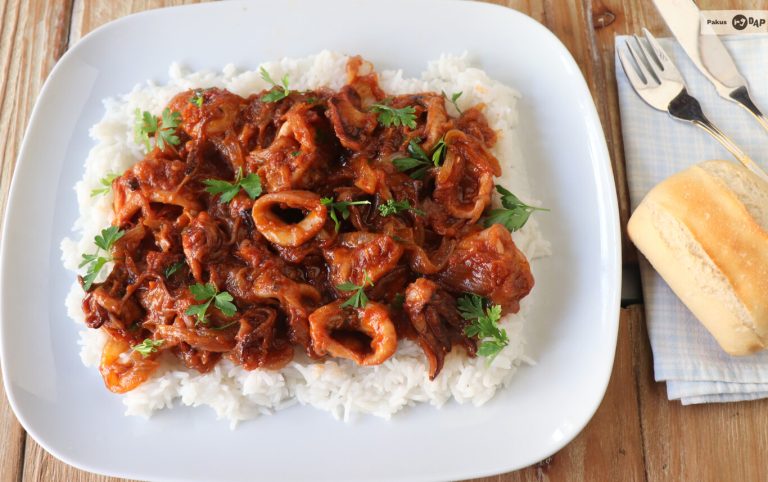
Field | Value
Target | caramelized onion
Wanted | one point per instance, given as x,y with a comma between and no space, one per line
437,323
259,341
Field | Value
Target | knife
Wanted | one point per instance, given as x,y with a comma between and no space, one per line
708,53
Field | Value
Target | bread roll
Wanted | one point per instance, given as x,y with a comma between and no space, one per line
704,231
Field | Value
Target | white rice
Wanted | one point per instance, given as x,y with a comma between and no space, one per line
338,386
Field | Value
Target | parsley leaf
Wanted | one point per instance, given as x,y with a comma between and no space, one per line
103,241
88,258
93,271
108,237
438,153
491,348
406,163
147,346
454,97
203,292
167,134
198,98
199,312
278,92
227,189
358,298
105,181
419,159
484,324
251,184
145,126
209,294
389,116
514,213
223,301
394,207
341,206
170,270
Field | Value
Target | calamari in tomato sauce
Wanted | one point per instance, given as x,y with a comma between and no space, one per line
353,242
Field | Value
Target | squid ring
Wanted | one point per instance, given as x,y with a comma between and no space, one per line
278,231
365,335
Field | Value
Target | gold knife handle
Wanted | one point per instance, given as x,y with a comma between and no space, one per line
741,96
728,143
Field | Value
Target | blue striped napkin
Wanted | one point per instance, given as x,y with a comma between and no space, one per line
656,146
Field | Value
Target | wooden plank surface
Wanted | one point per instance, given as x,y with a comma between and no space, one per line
32,37
636,433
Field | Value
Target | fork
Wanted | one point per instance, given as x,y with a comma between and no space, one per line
658,82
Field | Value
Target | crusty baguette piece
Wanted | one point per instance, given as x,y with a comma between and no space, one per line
705,230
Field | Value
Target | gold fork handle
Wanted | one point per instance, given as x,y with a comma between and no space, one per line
726,141
687,108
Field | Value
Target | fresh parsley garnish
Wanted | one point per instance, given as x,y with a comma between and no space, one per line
106,182
147,346
394,207
358,298
147,125
484,324
251,184
198,98
438,153
454,97
167,134
389,116
340,206
419,160
278,92
170,270
207,293
108,237
514,213
103,241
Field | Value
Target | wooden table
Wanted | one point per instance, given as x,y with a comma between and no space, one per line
636,434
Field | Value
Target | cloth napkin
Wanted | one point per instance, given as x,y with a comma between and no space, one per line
656,146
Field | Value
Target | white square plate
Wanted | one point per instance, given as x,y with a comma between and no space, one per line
572,328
